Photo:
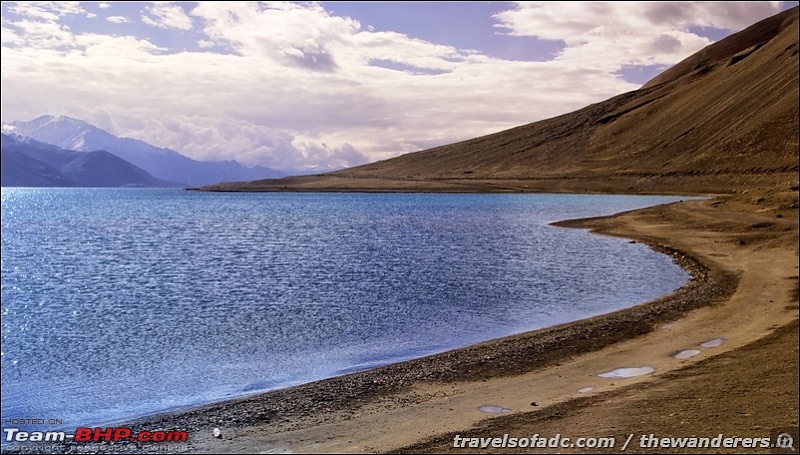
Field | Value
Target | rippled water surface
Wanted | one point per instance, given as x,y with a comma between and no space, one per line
124,302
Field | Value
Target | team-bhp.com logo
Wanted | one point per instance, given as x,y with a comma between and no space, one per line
83,434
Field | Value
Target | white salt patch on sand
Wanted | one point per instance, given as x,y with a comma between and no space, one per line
713,343
687,353
586,389
494,409
627,372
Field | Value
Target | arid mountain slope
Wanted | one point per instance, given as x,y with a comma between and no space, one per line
724,119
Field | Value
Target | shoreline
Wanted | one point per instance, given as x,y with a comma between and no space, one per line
507,356
551,347
276,418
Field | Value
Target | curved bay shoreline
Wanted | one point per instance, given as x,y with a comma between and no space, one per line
313,416
505,356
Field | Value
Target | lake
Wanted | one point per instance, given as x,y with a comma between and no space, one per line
119,303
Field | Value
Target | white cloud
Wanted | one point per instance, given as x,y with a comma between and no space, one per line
10,37
49,11
117,51
606,35
299,87
287,33
118,19
104,5
166,15
37,34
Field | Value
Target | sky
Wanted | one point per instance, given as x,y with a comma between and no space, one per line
315,85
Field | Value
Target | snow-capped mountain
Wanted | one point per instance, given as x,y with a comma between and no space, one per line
73,134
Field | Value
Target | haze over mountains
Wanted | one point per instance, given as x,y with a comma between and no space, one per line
724,119
163,164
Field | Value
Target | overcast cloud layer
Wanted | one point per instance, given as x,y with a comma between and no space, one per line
290,85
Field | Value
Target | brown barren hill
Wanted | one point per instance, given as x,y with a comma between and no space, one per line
723,119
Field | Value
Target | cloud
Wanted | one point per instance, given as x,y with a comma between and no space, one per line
118,19
39,35
48,11
343,155
665,44
730,16
104,5
290,85
229,138
616,34
287,33
166,15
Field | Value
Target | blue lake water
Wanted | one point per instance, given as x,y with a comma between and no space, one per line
118,303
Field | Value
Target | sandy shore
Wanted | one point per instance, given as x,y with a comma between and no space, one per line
744,291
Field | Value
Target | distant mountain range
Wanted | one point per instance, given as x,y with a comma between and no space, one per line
162,164
27,162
